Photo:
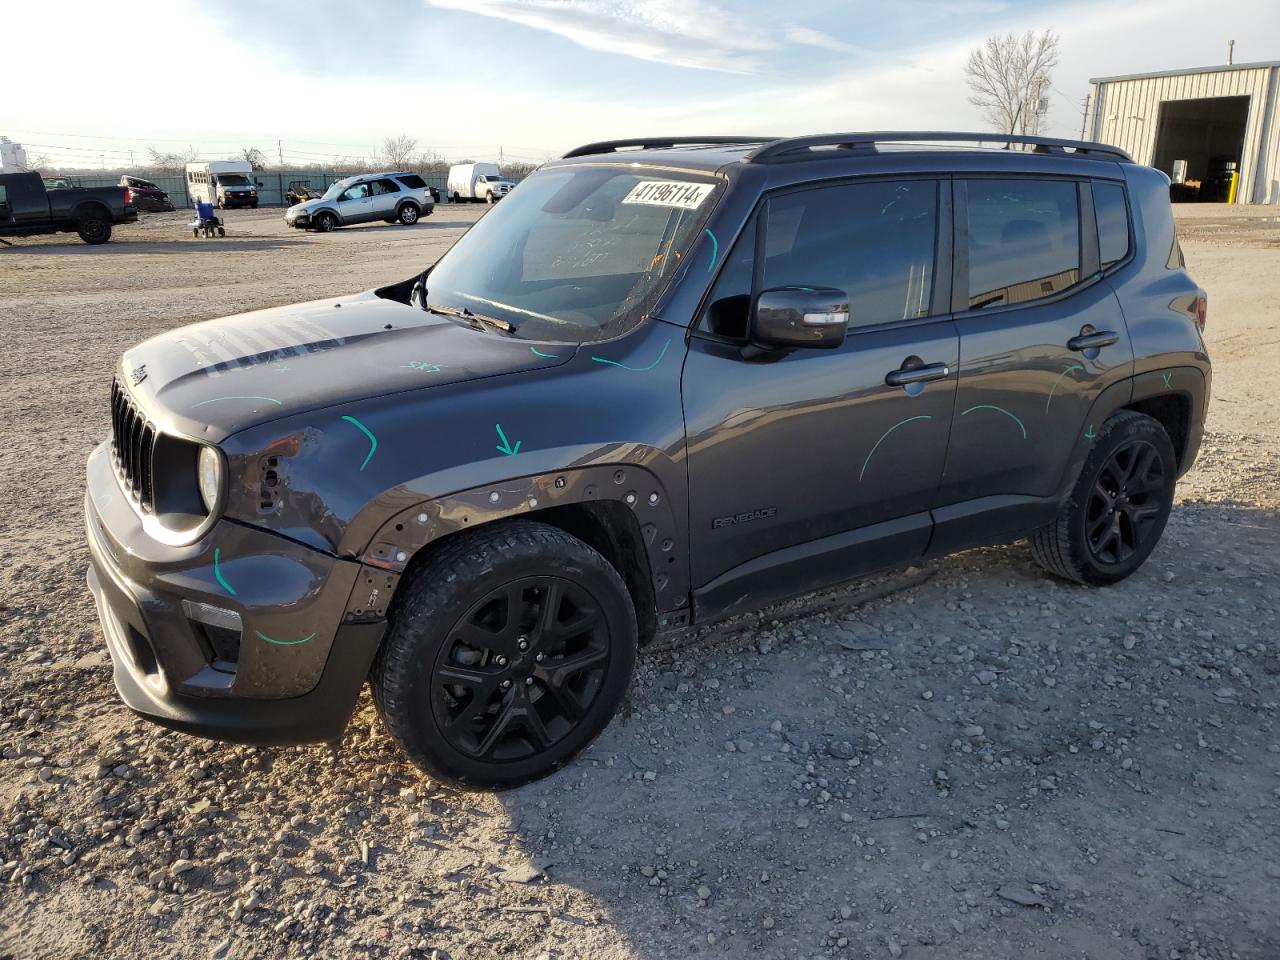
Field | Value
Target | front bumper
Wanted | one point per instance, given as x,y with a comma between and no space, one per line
302,221
296,669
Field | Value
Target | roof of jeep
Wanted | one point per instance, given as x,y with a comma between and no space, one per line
714,153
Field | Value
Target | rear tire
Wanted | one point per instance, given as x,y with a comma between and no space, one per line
483,684
1118,508
407,214
94,228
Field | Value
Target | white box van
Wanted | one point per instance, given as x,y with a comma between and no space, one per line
224,183
476,182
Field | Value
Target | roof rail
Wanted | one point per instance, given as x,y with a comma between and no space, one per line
801,148
656,143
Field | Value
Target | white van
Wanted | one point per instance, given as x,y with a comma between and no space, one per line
224,183
476,182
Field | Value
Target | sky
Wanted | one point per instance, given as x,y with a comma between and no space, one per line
533,78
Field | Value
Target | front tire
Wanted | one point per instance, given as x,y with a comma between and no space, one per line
508,652
1118,508
326,222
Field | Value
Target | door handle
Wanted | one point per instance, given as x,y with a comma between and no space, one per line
1092,341
924,374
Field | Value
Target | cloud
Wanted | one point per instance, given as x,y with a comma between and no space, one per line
816,38
686,33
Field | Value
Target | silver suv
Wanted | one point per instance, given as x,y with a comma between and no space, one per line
394,197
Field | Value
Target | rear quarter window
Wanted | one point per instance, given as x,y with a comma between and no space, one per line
1112,213
412,181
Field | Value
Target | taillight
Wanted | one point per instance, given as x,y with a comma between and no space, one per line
1202,308
128,196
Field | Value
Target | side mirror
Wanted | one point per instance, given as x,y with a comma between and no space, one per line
800,317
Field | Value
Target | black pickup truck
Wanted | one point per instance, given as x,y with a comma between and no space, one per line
27,207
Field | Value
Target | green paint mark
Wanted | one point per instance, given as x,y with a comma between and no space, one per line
1166,377
1074,366
615,363
922,416
218,399
217,572
715,249
1091,435
284,643
423,367
992,406
373,441
550,356
506,447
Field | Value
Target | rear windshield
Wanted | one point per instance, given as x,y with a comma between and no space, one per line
576,253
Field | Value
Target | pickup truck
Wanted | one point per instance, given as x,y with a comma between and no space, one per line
28,207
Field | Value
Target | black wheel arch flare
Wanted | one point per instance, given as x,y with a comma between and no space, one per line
660,588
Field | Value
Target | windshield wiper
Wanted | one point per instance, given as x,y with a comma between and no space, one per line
477,320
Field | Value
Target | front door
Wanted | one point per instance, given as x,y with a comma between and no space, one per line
1042,337
355,205
812,466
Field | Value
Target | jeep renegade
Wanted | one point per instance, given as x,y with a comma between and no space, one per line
665,381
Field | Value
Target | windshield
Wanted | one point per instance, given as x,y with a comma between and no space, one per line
233,179
577,253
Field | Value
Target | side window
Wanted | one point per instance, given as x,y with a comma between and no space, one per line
875,241
357,192
412,181
1112,214
1024,240
4,194
385,186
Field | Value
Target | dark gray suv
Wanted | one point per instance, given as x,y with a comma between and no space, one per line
664,382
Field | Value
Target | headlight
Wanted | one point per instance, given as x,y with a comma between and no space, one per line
209,474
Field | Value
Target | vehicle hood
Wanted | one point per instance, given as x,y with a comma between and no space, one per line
307,206
209,380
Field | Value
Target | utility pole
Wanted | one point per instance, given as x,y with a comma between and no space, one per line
280,152
131,158
1231,52
1084,113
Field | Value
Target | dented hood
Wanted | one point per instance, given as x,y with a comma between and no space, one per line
212,379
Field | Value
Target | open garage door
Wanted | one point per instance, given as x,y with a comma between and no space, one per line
1200,143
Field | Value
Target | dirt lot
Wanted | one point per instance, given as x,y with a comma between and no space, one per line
985,763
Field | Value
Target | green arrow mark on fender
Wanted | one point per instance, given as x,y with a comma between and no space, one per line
505,446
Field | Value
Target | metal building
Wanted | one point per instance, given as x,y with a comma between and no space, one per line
1201,126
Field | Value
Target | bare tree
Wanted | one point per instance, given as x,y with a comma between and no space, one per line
171,162
1008,74
397,152
256,158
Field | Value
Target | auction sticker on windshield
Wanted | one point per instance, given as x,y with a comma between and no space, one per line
669,193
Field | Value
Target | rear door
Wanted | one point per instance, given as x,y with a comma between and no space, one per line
808,467
1040,338
386,193
355,204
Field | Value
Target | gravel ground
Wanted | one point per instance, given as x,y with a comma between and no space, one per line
965,760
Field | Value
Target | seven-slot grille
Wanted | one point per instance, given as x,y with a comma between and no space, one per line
133,442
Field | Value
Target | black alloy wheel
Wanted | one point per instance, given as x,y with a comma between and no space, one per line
1125,504
520,669
1118,508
